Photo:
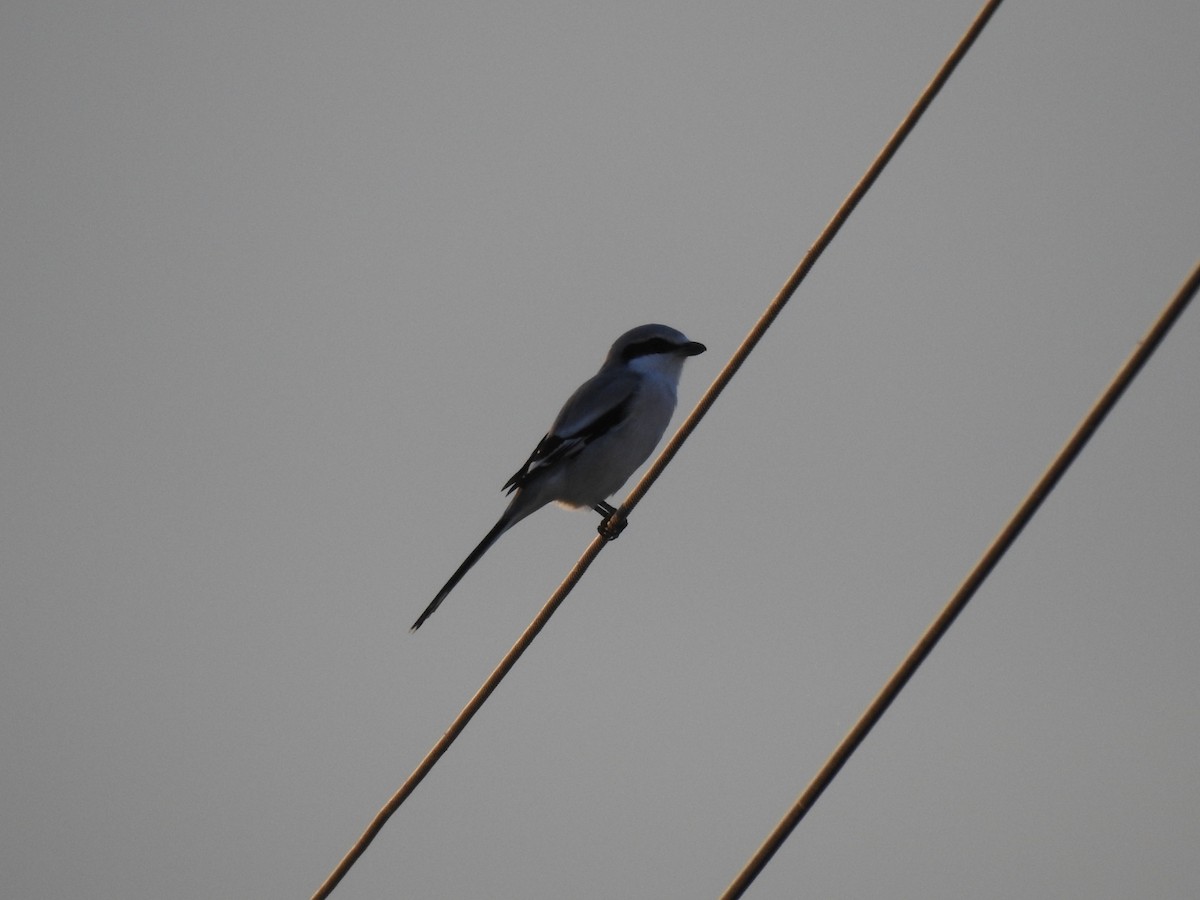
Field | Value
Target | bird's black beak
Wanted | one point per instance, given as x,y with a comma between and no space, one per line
692,348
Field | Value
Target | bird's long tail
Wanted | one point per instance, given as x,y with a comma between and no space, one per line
506,522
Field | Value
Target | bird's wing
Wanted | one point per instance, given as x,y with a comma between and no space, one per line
600,404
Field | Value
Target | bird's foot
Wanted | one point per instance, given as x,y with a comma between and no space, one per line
609,529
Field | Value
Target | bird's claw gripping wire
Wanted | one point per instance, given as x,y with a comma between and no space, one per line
608,529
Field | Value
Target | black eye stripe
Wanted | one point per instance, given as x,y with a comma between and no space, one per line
647,347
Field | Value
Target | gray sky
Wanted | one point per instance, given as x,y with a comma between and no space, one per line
289,290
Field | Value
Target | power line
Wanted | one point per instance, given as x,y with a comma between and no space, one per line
664,458
1029,506
810,258
461,720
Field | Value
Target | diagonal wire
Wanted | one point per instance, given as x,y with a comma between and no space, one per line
668,453
460,722
1029,506
810,258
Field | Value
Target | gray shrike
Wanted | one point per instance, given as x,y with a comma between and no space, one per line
608,428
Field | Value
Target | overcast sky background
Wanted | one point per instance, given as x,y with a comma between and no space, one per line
290,289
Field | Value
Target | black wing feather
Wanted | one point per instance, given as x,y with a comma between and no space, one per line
554,447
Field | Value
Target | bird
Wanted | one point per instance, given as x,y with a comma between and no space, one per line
605,430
